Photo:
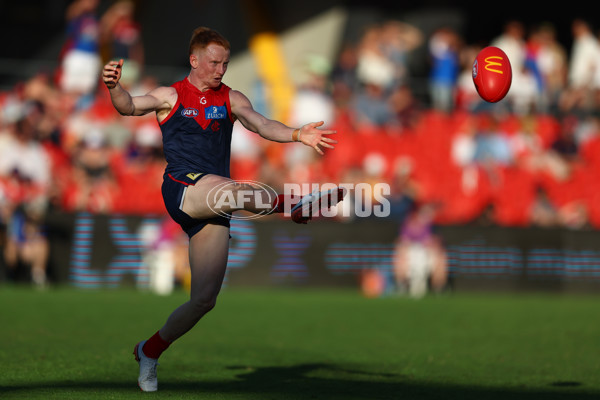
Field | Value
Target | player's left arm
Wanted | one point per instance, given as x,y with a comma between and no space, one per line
308,134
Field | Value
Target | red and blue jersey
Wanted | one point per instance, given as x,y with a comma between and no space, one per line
197,131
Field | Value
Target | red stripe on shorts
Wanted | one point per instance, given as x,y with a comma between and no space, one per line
177,180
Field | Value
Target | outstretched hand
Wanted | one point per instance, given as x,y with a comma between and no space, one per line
316,138
111,73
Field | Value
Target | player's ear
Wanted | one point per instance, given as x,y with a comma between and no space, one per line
193,60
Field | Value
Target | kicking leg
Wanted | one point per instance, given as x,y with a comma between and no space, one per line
215,194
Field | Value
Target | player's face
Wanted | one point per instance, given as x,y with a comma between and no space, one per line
211,64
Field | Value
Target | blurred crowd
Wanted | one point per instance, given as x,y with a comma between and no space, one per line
532,159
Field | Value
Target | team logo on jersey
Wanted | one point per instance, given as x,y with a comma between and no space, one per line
215,112
190,112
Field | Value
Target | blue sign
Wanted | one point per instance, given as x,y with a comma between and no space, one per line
215,112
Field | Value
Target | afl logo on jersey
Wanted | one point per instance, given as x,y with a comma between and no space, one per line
189,112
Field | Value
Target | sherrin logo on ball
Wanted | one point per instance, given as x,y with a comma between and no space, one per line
492,74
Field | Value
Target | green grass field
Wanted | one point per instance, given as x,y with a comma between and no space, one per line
302,344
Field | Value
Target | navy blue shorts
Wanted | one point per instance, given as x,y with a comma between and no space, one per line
173,190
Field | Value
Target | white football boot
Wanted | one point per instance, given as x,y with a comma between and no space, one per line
302,212
147,381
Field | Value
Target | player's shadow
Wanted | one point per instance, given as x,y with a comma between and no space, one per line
306,381
332,382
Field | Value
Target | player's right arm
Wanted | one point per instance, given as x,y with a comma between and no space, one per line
161,100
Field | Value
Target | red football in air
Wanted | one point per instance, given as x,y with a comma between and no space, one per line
492,74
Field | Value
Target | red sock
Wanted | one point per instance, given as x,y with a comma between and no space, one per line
278,204
154,347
